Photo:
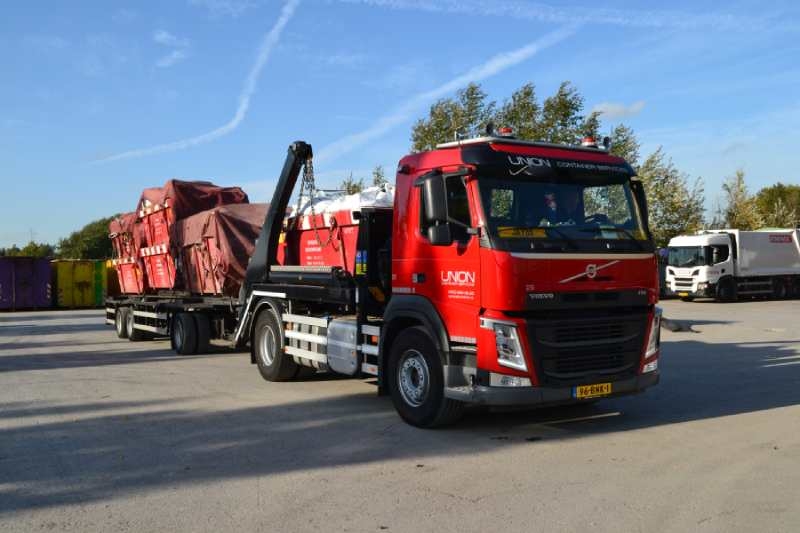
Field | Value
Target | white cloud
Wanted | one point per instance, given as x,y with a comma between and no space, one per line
493,66
170,59
613,110
179,48
230,8
515,9
167,39
267,45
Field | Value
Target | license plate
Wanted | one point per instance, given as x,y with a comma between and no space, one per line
683,294
591,391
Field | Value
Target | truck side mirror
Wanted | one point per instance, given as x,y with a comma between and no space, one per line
714,255
440,235
435,198
641,201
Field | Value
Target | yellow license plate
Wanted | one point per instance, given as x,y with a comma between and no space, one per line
683,294
591,391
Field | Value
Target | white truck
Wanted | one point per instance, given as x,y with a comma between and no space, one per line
729,264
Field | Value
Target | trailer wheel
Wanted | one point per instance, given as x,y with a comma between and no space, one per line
133,334
268,342
203,325
120,322
183,334
416,382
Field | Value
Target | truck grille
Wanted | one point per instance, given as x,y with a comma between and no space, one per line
572,350
683,282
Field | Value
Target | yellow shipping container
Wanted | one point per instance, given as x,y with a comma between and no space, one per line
75,283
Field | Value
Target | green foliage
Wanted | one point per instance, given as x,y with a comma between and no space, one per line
624,144
466,115
741,210
561,118
32,249
523,113
351,185
89,242
674,208
779,205
378,176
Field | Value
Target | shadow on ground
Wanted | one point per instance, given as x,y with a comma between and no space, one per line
101,455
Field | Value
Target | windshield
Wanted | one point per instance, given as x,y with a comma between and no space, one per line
579,214
686,256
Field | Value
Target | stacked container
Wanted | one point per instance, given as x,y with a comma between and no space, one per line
160,208
126,236
214,247
25,283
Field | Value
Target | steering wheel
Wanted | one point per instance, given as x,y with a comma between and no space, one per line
597,218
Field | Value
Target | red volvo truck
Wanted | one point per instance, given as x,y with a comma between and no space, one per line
505,272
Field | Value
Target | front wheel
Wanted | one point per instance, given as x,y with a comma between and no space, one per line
416,382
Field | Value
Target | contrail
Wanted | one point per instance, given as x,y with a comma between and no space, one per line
494,66
515,9
267,45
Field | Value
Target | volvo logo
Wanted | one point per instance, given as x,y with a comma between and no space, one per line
590,271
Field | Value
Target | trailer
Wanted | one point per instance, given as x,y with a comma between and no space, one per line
730,264
495,272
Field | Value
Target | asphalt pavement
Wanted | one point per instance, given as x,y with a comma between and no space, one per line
103,434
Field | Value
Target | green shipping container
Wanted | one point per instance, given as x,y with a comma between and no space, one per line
79,283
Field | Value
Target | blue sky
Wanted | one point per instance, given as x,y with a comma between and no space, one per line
220,87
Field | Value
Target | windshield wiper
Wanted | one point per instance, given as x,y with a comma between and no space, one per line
564,236
631,236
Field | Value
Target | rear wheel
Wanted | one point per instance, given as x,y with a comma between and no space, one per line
780,289
203,325
133,334
416,382
120,319
273,363
184,334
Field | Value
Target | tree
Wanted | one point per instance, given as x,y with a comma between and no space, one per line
467,115
561,118
523,113
779,205
674,208
741,210
625,145
89,242
378,176
32,249
351,185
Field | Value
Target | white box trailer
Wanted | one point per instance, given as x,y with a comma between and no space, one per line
728,264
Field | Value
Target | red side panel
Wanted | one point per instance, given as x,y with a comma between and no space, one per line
326,240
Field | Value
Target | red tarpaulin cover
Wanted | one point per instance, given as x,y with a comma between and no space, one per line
186,198
216,245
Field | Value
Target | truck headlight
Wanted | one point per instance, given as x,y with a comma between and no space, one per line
654,341
702,286
509,349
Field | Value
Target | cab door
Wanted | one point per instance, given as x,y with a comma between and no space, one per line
449,274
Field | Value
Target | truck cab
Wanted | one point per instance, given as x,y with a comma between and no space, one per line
532,268
697,263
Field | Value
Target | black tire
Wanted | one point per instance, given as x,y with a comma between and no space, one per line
120,322
134,335
183,334
780,291
203,325
413,359
268,343
726,290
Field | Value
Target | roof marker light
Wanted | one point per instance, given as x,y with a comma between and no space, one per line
589,142
505,131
